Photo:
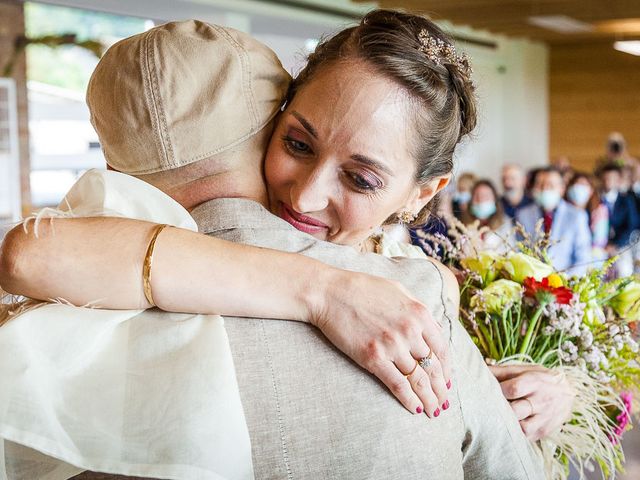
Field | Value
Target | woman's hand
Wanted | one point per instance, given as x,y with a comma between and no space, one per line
541,398
384,329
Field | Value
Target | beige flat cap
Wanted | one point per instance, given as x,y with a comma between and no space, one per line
182,92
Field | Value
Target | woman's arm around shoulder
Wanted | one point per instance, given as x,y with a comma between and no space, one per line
99,261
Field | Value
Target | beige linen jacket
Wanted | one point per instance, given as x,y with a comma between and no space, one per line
314,414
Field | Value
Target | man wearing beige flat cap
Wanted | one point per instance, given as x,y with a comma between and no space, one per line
187,107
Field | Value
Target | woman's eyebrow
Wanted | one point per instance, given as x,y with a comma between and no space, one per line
372,163
305,123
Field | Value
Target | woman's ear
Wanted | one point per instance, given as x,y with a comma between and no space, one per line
425,192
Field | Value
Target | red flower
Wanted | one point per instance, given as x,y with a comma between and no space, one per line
543,292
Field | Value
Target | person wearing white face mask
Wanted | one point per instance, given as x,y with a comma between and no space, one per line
582,193
486,209
566,225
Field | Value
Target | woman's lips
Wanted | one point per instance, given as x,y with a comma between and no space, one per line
302,222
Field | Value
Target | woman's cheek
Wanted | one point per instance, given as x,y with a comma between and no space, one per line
276,167
359,217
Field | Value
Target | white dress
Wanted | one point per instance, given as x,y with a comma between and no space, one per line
113,391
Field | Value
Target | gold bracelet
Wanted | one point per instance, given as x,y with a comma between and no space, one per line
146,266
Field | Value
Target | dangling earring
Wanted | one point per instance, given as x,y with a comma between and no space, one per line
406,217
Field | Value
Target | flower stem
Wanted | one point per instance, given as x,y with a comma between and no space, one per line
506,333
530,329
492,351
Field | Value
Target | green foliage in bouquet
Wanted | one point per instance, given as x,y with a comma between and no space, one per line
518,309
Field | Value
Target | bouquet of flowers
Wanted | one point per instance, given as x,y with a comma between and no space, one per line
518,309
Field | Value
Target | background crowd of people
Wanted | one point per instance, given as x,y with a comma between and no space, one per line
588,216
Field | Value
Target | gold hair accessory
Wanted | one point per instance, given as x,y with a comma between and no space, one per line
406,217
146,265
440,52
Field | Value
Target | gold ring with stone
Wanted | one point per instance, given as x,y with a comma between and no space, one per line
425,362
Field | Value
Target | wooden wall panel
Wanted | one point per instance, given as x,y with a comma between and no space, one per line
593,91
511,17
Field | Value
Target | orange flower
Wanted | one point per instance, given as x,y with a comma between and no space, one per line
544,292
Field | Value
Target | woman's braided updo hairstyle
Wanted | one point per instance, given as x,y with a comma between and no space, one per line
441,92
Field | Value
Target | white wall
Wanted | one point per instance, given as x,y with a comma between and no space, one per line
512,88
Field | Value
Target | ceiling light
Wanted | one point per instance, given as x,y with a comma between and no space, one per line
628,46
560,23
623,25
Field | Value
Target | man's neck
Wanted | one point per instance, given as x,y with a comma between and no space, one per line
231,184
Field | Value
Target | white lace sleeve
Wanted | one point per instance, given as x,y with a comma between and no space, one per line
390,247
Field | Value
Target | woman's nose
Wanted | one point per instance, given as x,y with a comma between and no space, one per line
310,193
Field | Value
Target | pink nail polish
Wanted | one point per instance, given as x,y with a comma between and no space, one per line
449,385
445,405
419,409
437,412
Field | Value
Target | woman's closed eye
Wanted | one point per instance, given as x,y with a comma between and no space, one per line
295,146
365,182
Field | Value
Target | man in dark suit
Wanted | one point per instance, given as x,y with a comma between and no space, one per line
623,216
514,182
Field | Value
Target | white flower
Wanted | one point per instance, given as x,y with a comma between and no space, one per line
631,343
601,377
618,341
586,338
568,351
595,358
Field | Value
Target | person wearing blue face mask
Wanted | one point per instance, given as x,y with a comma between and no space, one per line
462,196
566,225
486,210
581,192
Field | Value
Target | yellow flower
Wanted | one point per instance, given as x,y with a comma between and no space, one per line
555,280
593,314
486,264
627,302
497,296
520,266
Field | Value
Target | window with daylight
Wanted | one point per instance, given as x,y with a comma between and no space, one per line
63,143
